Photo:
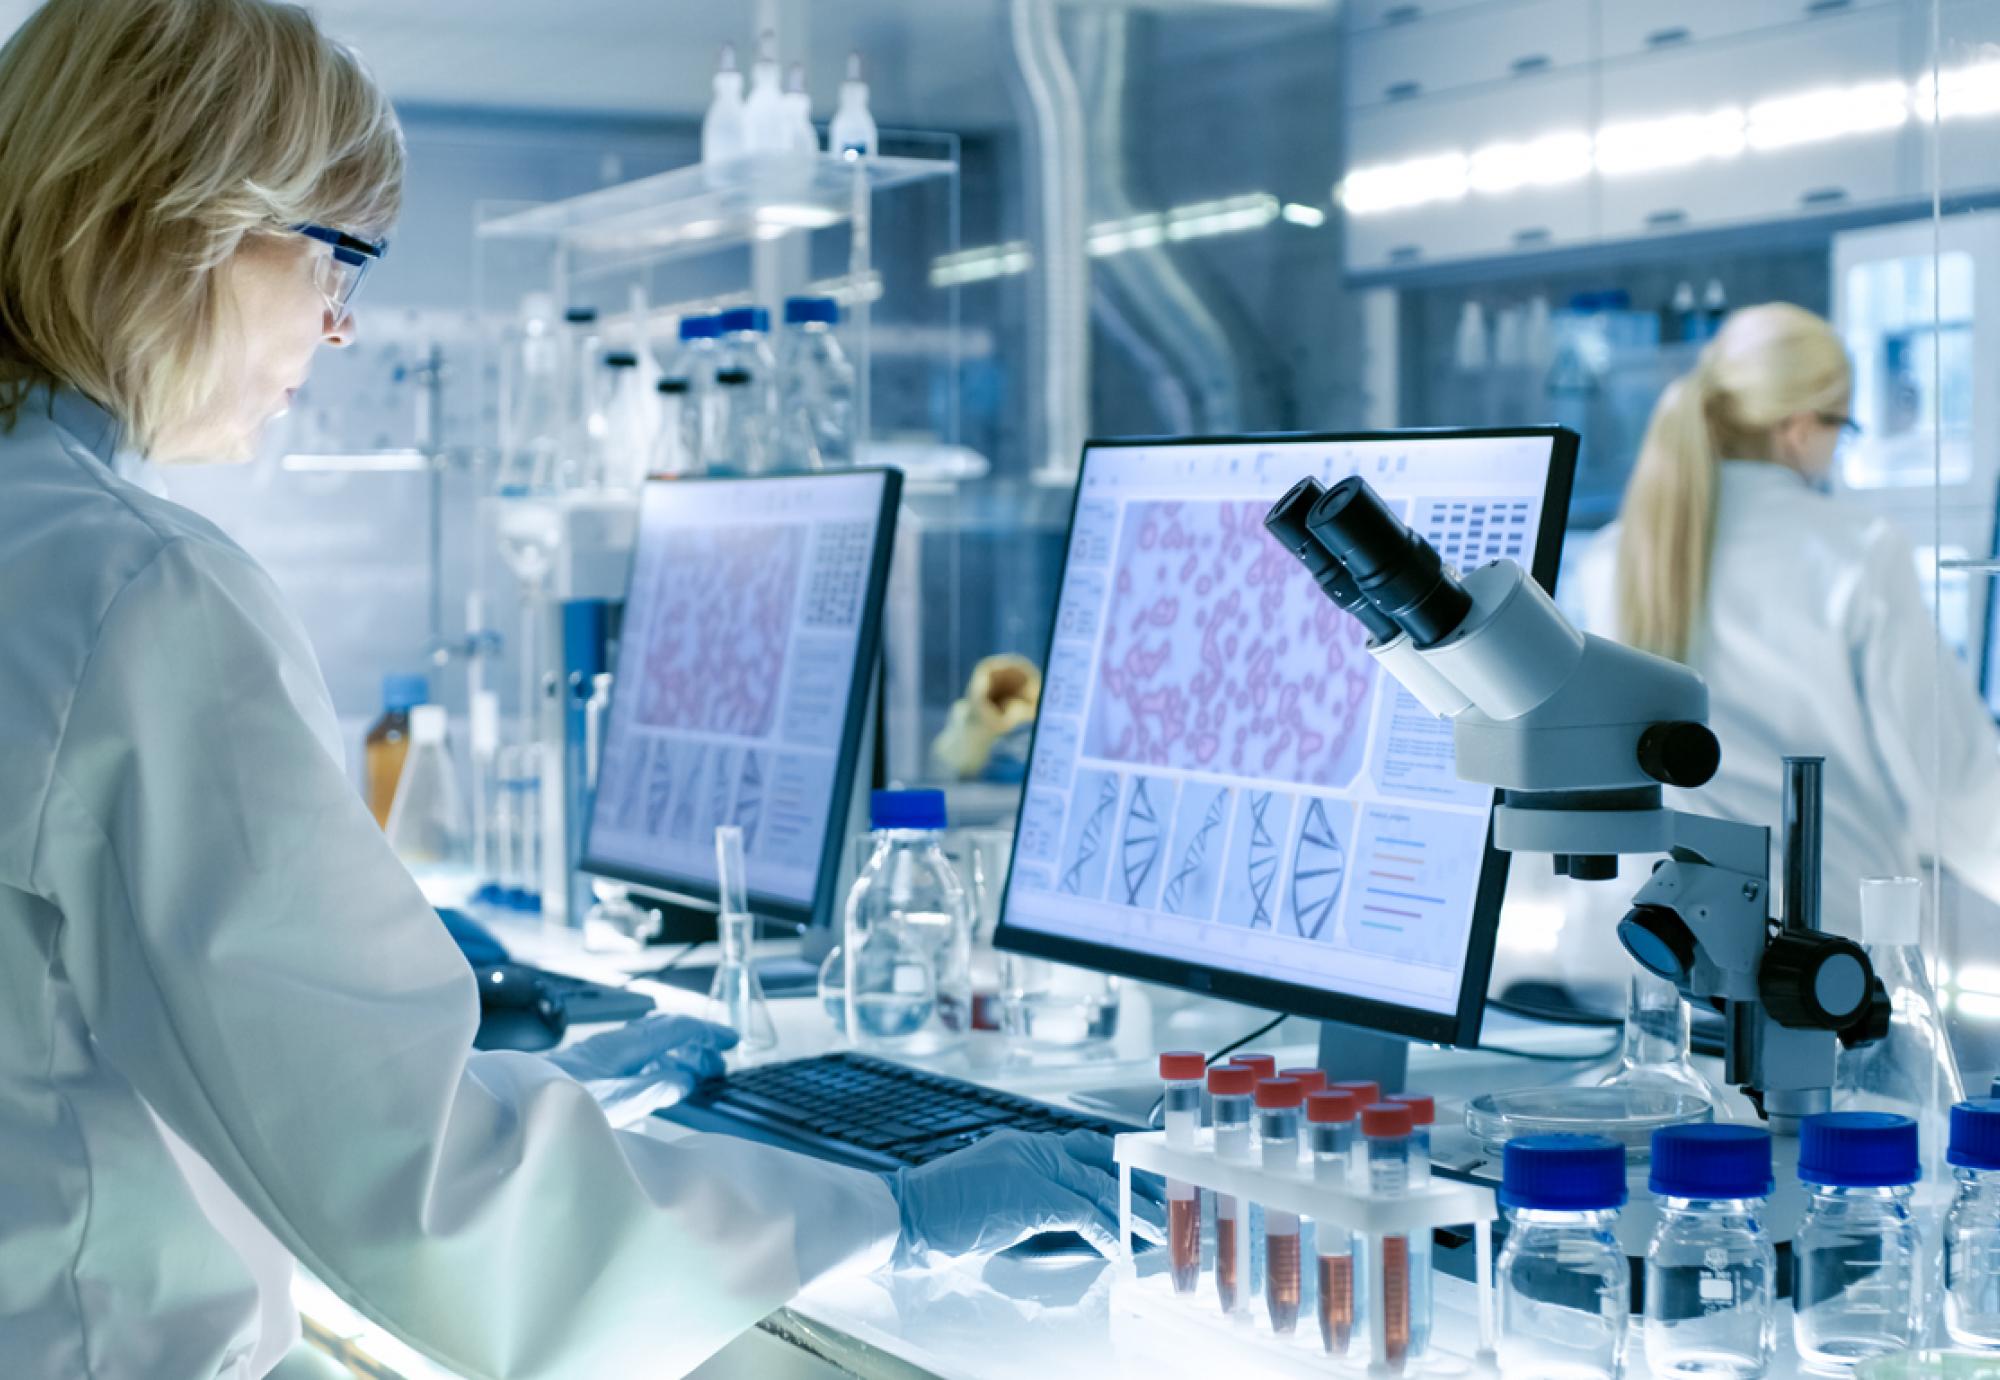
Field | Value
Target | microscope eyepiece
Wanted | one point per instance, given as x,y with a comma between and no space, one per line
1399,572
1287,523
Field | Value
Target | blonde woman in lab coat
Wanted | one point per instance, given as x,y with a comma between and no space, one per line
1803,613
232,1032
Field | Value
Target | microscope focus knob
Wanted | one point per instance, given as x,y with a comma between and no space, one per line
1679,754
1814,981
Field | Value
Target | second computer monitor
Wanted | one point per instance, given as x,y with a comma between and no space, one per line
751,634
1225,792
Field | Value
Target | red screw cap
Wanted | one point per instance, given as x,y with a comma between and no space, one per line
1386,1121
1266,1066
1280,1093
1231,1080
1313,1080
1333,1105
1365,1092
1183,1067
1423,1107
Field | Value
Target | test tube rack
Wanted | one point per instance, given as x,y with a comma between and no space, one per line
1146,1310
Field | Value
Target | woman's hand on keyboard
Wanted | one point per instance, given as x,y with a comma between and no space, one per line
1012,1186
654,1062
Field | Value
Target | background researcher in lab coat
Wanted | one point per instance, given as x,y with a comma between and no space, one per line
232,1032
1802,612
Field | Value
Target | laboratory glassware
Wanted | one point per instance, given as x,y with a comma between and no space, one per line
580,462
723,137
1230,1090
736,997
1711,1272
1911,1071
675,442
1278,1103
696,362
1399,1275
747,373
816,389
1857,1258
1563,1283
427,821
798,112
534,401
764,126
1972,1227
908,934
1332,1117
1180,1103
631,423
387,747
852,133
1047,1007
1423,1115
1654,1055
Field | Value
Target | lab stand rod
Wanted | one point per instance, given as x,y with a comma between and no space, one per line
1804,800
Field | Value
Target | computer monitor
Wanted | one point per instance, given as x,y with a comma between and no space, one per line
742,688
1225,793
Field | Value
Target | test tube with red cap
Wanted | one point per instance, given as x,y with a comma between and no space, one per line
1278,1103
1366,1093
1265,1064
1423,1111
1401,1270
1183,1073
1230,1089
1312,1080
1332,1119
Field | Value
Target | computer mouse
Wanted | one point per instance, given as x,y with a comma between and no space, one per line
474,940
516,1011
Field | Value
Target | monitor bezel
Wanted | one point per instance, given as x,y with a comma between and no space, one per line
860,704
1459,1027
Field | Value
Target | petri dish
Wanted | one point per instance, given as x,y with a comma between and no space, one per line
1627,1114
1930,1365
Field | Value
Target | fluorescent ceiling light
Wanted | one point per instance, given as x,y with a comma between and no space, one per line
359,462
1969,93
1297,213
1400,186
1676,141
1548,161
1832,112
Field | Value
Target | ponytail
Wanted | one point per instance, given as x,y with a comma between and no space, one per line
1669,524
1767,363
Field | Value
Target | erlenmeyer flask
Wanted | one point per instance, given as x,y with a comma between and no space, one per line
1654,1056
736,998
427,821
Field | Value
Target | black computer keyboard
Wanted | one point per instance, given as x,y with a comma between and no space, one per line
870,1113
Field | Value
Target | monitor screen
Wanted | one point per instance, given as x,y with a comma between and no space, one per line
741,690
1225,792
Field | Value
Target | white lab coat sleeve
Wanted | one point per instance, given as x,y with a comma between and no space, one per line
253,958
1934,738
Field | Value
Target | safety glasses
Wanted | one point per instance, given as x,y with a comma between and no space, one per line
340,272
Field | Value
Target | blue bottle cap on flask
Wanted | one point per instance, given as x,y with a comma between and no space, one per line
1563,1174
745,319
700,327
802,310
1975,1134
907,809
1859,1150
401,693
1709,1161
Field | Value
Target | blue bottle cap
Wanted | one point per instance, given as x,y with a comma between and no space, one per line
1859,1150
801,310
1994,1091
1975,1134
745,319
1706,1161
907,809
403,693
1563,1174
700,327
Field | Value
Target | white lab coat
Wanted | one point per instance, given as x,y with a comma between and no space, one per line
1817,642
200,923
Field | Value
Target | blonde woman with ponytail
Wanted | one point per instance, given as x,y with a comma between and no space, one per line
1801,610
233,1033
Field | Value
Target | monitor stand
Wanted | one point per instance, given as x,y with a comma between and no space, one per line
1350,1053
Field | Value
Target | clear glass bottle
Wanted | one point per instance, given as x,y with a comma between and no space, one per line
581,462
674,445
427,822
1857,1258
1399,1274
722,133
631,423
702,423
816,389
908,939
1332,1120
387,747
1911,1071
1230,1089
1972,1228
1563,1282
748,374
852,133
1180,1105
534,403
1711,1272
736,996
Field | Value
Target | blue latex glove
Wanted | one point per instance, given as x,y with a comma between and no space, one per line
654,1062
1011,1186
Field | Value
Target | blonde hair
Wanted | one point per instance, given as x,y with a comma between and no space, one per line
1768,363
145,139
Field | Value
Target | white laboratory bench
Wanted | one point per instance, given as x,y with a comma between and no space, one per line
1002,1318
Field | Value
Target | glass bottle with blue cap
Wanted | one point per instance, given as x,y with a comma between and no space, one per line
908,939
1972,1229
747,378
1565,1288
1857,1288
1711,1272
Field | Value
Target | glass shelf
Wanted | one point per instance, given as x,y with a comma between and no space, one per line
698,209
